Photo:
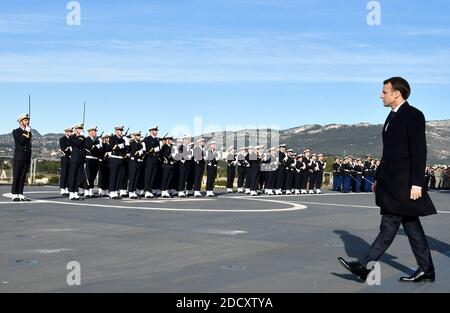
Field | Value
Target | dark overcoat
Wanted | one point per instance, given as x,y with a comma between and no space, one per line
403,165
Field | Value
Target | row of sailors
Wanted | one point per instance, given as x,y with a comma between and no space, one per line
355,175
151,166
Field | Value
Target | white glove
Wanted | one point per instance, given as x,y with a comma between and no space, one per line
28,129
127,141
100,141
70,148
121,146
141,152
98,146
157,149
144,147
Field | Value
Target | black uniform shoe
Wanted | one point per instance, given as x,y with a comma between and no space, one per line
16,200
25,200
419,277
355,268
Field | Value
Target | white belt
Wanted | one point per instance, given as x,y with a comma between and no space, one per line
91,157
116,157
138,160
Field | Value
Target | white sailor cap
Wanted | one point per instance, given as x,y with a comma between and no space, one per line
230,148
93,128
282,145
120,127
307,150
23,117
68,130
154,128
201,140
138,133
213,143
78,126
290,150
272,149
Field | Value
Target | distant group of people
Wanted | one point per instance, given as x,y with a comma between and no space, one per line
354,175
133,166
437,177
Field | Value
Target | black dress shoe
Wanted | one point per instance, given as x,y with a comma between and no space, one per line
355,268
16,200
25,200
419,277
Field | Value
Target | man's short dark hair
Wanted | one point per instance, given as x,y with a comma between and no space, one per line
400,84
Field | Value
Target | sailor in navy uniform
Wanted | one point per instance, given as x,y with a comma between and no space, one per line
346,175
119,149
307,170
184,157
66,150
352,164
290,168
254,160
321,165
313,167
299,168
212,162
337,174
268,167
167,155
241,169
231,168
199,159
358,170
247,185
103,176
367,174
22,157
93,144
135,164
77,159
152,149
281,171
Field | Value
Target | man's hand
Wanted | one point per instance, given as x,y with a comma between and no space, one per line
416,193
374,187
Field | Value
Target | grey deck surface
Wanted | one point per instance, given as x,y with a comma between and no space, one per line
232,243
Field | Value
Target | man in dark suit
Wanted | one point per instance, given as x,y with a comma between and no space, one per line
22,157
400,184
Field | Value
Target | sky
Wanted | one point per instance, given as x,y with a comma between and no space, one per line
233,63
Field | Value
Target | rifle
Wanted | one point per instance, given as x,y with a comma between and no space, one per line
84,113
29,107
99,137
163,138
126,134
